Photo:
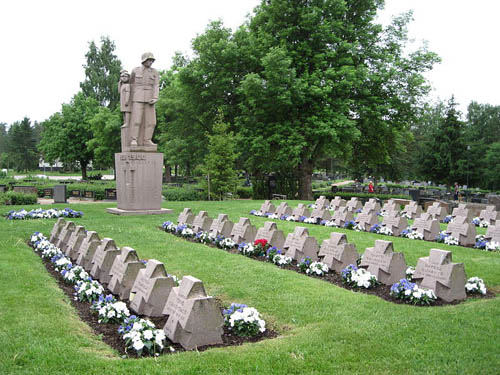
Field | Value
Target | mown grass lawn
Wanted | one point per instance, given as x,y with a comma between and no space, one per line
323,329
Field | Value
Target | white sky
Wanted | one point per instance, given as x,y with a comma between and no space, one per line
43,43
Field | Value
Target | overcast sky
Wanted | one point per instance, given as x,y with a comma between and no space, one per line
43,43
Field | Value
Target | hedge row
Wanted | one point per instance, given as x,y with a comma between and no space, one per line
14,198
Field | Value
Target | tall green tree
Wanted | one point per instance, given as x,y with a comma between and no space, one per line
446,149
22,145
105,126
102,73
492,163
65,134
220,160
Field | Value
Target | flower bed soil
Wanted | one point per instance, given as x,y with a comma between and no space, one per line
382,291
109,332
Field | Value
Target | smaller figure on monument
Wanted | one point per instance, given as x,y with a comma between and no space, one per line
125,105
145,90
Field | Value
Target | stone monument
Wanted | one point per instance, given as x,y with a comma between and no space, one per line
322,203
267,208
186,217
152,288
300,244
271,233
372,204
438,273
75,241
139,168
395,223
493,232
103,260
123,272
243,231
320,214
337,253
56,230
490,214
301,210
337,202
202,222
284,209
194,318
427,226
354,204
88,249
413,210
222,226
463,230
367,220
341,216
389,267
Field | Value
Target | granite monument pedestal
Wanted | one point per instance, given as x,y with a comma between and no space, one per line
139,183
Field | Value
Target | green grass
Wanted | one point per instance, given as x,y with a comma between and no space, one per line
323,329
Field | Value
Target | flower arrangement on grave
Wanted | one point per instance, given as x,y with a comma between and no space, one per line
304,264
284,217
406,215
310,220
88,290
358,228
312,206
358,277
282,260
375,228
271,253
410,271
410,292
386,231
142,336
480,223
331,223
60,261
256,213
247,249
412,234
72,274
113,312
317,268
448,219
290,218
273,216
261,246
226,243
475,285
40,213
243,320
483,244
102,301
185,231
170,227
202,237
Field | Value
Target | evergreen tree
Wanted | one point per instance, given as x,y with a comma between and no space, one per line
105,126
22,145
220,160
102,73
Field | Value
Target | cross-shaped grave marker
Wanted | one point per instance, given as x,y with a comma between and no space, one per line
65,235
186,217
341,216
88,249
427,226
490,214
103,260
463,230
152,288
337,253
222,226
194,318
56,230
243,231
300,244
389,267
493,232
301,210
75,241
271,233
124,272
267,207
202,222
438,273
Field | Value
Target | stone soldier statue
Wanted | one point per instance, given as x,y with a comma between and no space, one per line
144,81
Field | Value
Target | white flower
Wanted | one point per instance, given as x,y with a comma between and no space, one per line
138,345
148,334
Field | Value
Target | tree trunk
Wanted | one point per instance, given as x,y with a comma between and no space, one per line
168,173
84,169
305,179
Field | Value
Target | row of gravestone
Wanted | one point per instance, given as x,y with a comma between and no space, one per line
427,224
412,210
435,272
193,317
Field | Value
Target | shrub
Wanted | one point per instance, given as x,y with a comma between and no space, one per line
183,194
19,199
348,195
244,192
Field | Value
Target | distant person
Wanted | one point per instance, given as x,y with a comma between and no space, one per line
371,188
455,194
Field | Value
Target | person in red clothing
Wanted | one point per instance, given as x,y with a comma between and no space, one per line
371,189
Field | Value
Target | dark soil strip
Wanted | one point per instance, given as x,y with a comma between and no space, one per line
109,332
382,291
